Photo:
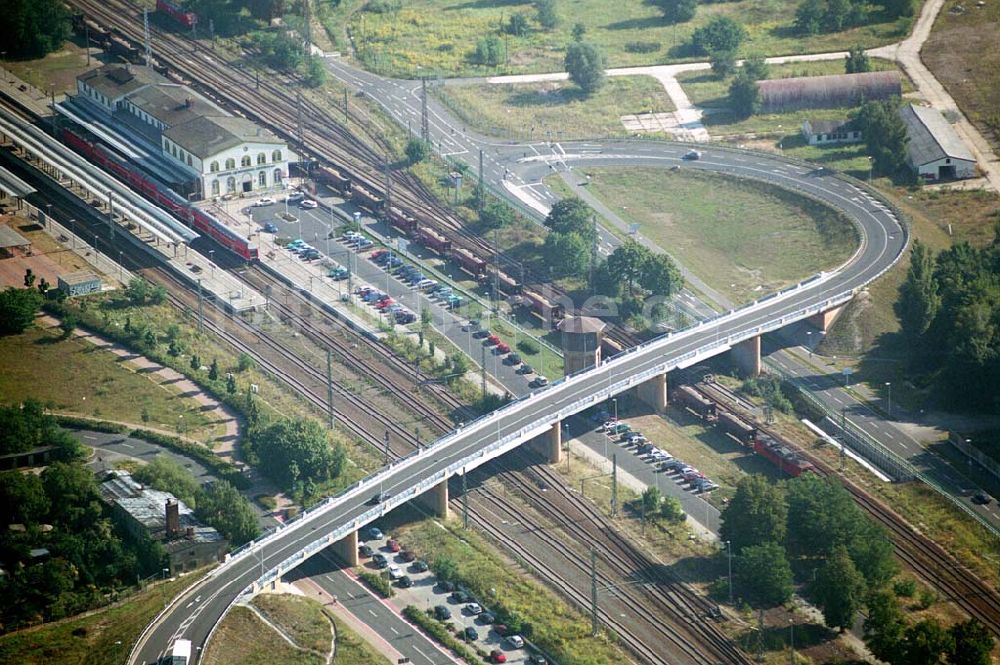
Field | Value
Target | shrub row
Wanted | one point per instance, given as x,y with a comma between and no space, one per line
378,583
219,467
439,632
94,425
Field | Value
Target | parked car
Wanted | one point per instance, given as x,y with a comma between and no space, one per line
295,196
419,566
486,618
501,349
405,582
513,359
482,333
497,656
460,596
500,629
454,301
471,326
309,204
364,243
365,550
379,560
393,545
692,474
470,634
703,485
672,465
395,572
407,556
339,273
474,608
404,318
426,283
441,613
525,369
539,382
492,340
537,659
609,425
445,586
270,228
515,641
620,428
644,448
264,201
374,533
635,438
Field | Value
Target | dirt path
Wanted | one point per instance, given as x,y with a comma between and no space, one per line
165,376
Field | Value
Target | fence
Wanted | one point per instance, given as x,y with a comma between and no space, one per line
974,454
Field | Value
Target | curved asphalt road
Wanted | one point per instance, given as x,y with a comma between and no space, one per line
883,241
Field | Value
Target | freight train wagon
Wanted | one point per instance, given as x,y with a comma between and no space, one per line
186,18
334,179
737,428
401,220
365,199
163,196
542,307
692,399
432,240
506,284
469,262
124,50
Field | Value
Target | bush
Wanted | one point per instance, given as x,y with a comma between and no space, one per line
219,467
380,584
529,347
642,47
440,633
417,150
94,425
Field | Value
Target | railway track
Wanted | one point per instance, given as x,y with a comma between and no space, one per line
392,375
928,559
319,134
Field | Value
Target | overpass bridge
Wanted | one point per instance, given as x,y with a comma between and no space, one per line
423,475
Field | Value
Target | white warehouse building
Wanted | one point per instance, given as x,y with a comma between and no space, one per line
935,151
221,153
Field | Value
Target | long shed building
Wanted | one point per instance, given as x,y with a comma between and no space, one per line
836,90
935,151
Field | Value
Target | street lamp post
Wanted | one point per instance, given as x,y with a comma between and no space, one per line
729,552
888,387
121,268
809,342
791,640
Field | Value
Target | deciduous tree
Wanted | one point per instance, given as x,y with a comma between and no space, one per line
763,575
972,644
757,514
884,625
566,254
885,135
839,589
221,506
744,95
17,309
857,61
677,11
720,34
572,215
919,299
34,27
585,64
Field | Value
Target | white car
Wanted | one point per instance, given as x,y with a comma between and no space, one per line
610,425
515,641
309,204
294,196
265,201
395,572
474,609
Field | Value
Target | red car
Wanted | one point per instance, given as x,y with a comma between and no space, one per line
500,629
492,340
502,348
382,304
377,253
394,545
497,656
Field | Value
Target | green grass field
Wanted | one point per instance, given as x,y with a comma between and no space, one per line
554,110
243,638
96,638
35,364
436,37
742,238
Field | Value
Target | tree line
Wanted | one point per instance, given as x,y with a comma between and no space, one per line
845,564
66,554
949,317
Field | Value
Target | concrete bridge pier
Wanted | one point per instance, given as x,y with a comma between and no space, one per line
346,549
746,356
653,392
549,444
824,320
435,500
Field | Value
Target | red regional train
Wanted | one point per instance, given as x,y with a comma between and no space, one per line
184,17
163,196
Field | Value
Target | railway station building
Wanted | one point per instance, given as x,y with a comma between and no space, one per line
220,154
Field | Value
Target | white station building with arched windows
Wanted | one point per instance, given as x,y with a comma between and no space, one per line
217,153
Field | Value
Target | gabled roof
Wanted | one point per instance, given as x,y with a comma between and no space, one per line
115,81
204,136
173,104
931,137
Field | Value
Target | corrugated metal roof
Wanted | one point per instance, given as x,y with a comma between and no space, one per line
13,185
148,507
931,137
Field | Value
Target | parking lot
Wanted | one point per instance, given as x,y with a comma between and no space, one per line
414,584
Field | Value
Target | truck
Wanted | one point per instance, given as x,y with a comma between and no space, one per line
180,653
